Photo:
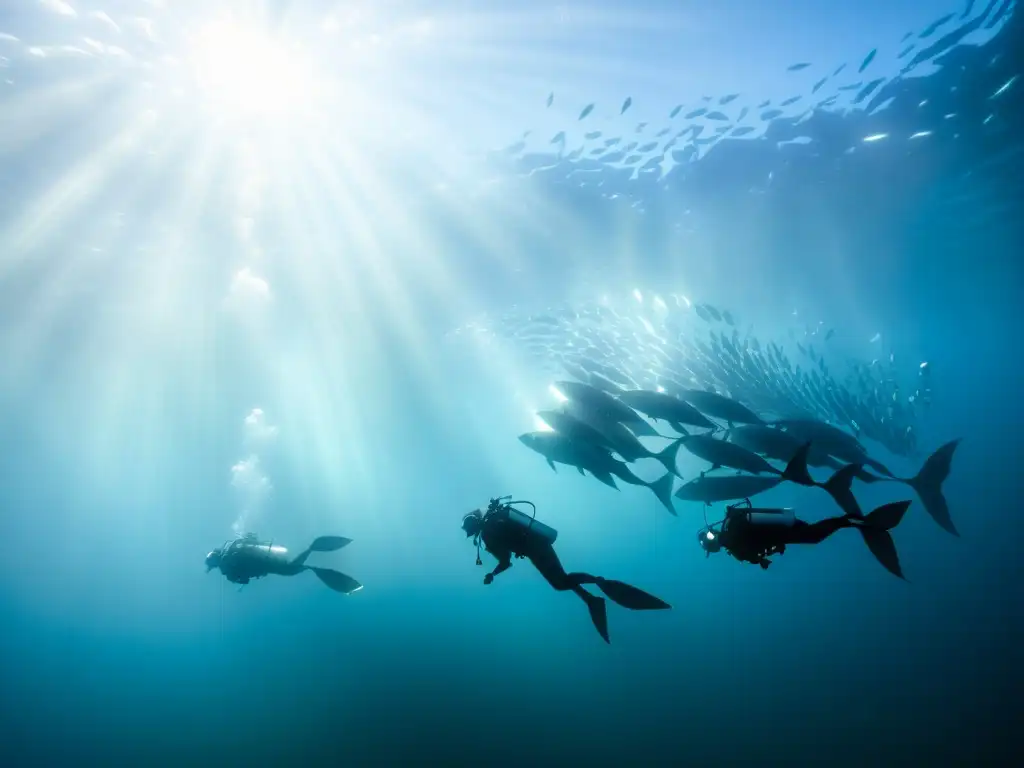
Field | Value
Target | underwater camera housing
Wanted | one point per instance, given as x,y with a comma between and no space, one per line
709,541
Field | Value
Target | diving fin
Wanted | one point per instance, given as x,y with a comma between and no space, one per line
599,615
336,580
329,543
875,530
887,516
631,597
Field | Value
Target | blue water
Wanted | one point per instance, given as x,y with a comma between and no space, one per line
227,303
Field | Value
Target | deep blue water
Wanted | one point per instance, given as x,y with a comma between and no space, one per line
133,352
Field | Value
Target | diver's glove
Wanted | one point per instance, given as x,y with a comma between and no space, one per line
488,578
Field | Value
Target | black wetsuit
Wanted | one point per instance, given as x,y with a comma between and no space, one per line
248,558
245,560
505,539
752,543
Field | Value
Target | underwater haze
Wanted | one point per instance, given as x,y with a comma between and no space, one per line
311,269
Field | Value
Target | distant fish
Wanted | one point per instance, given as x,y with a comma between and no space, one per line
586,111
839,69
675,111
867,60
726,99
662,406
875,338
931,28
720,407
558,449
717,116
771,114
551,98
626,105
790,100
720,453
743,130
798,66
696,113
867,90
711,489
905,52
819,84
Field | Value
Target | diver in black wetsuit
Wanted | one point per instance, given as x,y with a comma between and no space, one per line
248,558
752,534
506,532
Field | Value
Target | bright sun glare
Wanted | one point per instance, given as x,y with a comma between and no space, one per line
246,71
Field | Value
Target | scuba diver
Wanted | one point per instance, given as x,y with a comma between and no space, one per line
751,534
505,531
248,558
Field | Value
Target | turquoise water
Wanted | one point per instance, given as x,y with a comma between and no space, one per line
265,273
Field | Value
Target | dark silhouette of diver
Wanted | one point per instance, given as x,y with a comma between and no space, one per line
248,558
505,531
752,534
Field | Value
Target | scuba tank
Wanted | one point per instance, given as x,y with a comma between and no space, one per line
774,517
270,555
503,509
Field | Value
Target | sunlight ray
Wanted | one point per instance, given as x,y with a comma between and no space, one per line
134,389
83,270
23,115
44,217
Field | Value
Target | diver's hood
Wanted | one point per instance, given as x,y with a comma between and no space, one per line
213,560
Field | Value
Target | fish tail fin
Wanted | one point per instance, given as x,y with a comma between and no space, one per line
796,470
669,456
928,484
662,488
606,478
840,488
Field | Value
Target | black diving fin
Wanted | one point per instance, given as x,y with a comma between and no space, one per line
631,597
329,543
336,580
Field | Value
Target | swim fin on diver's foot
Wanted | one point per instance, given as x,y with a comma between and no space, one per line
630,597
